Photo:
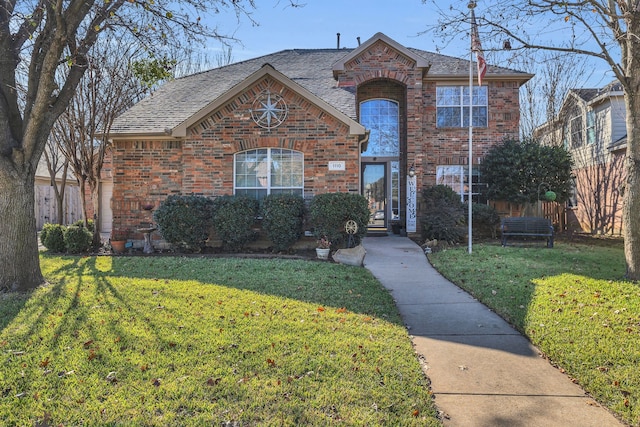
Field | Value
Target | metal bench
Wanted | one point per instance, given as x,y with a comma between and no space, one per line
526,226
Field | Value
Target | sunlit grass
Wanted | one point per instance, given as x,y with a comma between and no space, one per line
197,341
572,302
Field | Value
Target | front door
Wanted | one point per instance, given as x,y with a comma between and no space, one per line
374,188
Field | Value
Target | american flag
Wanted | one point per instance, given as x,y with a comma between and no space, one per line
477,48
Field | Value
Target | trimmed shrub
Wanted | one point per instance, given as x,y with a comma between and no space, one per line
90,226
330,211
444,215
485,220
77,239
44,232
52,237
233,219
184,221
282,219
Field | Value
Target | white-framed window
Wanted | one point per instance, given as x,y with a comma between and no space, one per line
456,177
268,171
382,118
452,106
575,128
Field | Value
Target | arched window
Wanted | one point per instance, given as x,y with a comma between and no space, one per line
381,117
268,171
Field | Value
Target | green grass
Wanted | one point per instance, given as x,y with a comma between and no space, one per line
570,301
207,341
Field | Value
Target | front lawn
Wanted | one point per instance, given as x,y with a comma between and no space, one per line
207,341
570,301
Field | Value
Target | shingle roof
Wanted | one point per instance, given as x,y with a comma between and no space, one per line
179,99
589,94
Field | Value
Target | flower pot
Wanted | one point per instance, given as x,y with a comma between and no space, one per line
117,246
322,253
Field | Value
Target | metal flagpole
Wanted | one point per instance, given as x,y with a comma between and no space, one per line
471,6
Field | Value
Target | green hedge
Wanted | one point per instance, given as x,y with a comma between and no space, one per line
485,220
330,211
233,219
52,237
184,221
89,226
444,215
77,239
282,219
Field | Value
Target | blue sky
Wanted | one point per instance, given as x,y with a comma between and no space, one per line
315,26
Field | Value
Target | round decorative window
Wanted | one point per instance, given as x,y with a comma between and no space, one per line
269,110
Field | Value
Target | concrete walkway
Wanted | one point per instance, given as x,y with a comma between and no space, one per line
482,371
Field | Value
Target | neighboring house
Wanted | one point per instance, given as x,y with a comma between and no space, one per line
46,210
592,126
310,122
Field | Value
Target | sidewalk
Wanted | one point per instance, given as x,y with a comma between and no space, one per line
482,371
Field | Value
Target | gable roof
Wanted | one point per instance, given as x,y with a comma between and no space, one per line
592,95
164,113
420,61
355,128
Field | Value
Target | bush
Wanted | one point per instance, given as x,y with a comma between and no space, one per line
52,237
444,215
330,211
90,226
184,221
485,220
233,219
282,219
77,239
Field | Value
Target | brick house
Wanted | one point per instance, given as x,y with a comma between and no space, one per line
313,121
591,124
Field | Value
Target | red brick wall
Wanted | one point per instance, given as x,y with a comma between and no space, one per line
449,146
144,172
149,171
422,143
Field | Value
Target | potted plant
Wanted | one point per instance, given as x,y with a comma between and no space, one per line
323,247
118,239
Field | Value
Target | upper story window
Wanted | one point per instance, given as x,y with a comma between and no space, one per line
575,131
268,171
381,117
452,106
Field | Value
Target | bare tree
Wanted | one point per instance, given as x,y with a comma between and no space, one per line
57,166
106,90
41,38
542,96
604,30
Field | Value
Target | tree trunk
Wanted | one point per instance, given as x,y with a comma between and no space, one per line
631,207
20,264
60,192
94,187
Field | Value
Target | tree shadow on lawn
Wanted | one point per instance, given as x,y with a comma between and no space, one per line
316,282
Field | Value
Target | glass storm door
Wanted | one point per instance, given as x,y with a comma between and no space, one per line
374,188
